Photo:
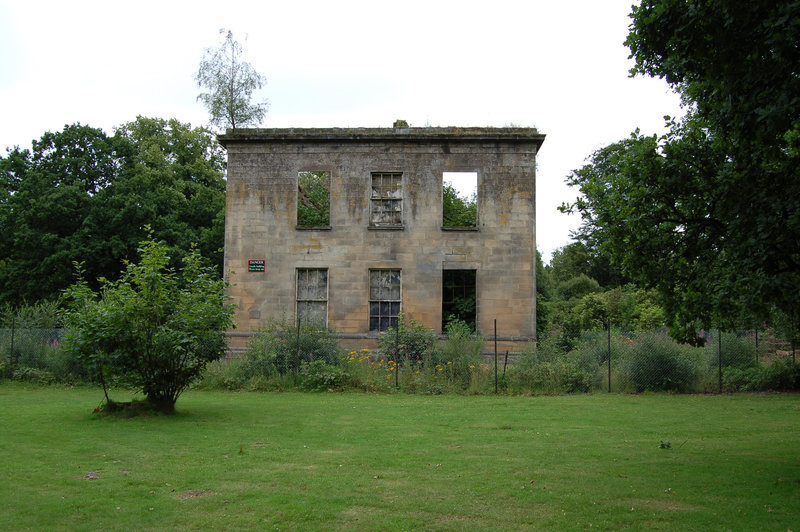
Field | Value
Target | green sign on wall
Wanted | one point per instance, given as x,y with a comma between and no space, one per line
255,265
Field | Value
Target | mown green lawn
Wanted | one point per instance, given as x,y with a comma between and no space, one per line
353,461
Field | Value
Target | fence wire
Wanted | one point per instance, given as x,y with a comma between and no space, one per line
615,361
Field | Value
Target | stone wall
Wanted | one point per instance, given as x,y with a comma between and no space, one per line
261,218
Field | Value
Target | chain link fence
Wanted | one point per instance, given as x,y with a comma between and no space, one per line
597,361
33,354
637,362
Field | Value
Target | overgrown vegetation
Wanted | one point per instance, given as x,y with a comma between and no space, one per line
458,211
313,199
153,330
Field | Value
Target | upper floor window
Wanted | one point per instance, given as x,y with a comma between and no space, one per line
313,199
460,200
386,200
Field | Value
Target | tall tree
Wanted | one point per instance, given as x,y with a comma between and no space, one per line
174,182
230,83
81,195
48,194
709,213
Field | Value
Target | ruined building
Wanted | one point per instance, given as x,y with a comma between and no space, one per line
348,226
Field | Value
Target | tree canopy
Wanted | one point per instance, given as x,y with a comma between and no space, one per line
82,195
230,83
708,214
458,211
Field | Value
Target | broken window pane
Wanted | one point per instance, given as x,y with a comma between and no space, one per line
386,199
312,294
384,299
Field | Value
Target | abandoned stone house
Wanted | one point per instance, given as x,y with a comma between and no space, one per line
379,241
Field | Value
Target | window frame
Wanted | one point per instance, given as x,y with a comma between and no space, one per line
445,175
310,300
463,287
383,303
379,196
304,227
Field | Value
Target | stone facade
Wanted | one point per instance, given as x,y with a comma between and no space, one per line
266,251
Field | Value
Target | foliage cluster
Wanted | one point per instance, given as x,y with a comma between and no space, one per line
154,329
283,345
707,214
313,199
230,83
458,211
81,194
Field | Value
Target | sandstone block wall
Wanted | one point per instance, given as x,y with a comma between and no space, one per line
261,223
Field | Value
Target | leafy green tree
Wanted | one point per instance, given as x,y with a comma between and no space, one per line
80,195
174,182
230,83
313,199
543,297
709,213
458,211
48,194
153,329
579,257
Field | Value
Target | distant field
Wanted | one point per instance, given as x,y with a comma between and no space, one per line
401,462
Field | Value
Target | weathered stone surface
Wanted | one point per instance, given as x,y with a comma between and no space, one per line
263,165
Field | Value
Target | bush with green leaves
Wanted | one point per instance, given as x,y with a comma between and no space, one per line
154,329
460,352
409,342
283,345
546,369
654,362
738,351
780,376
320,376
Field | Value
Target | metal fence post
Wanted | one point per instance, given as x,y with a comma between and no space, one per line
11,357
609,356
756,346
719,358
397,355
495,355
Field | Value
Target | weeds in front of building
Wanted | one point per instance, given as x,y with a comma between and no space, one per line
414,359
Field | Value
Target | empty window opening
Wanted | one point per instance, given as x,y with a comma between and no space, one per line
386,199
460,199
459,297
384,299
312,295
313,199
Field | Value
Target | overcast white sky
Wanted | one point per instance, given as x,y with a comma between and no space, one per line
559,66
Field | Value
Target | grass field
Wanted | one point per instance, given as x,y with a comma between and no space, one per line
291,461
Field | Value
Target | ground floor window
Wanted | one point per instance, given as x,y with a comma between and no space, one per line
312,294
384,299
459,297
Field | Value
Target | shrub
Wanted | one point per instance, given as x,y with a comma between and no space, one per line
460,353
318,375
548,371
410,341
654,362
738,351
223,374
281,347
154,329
